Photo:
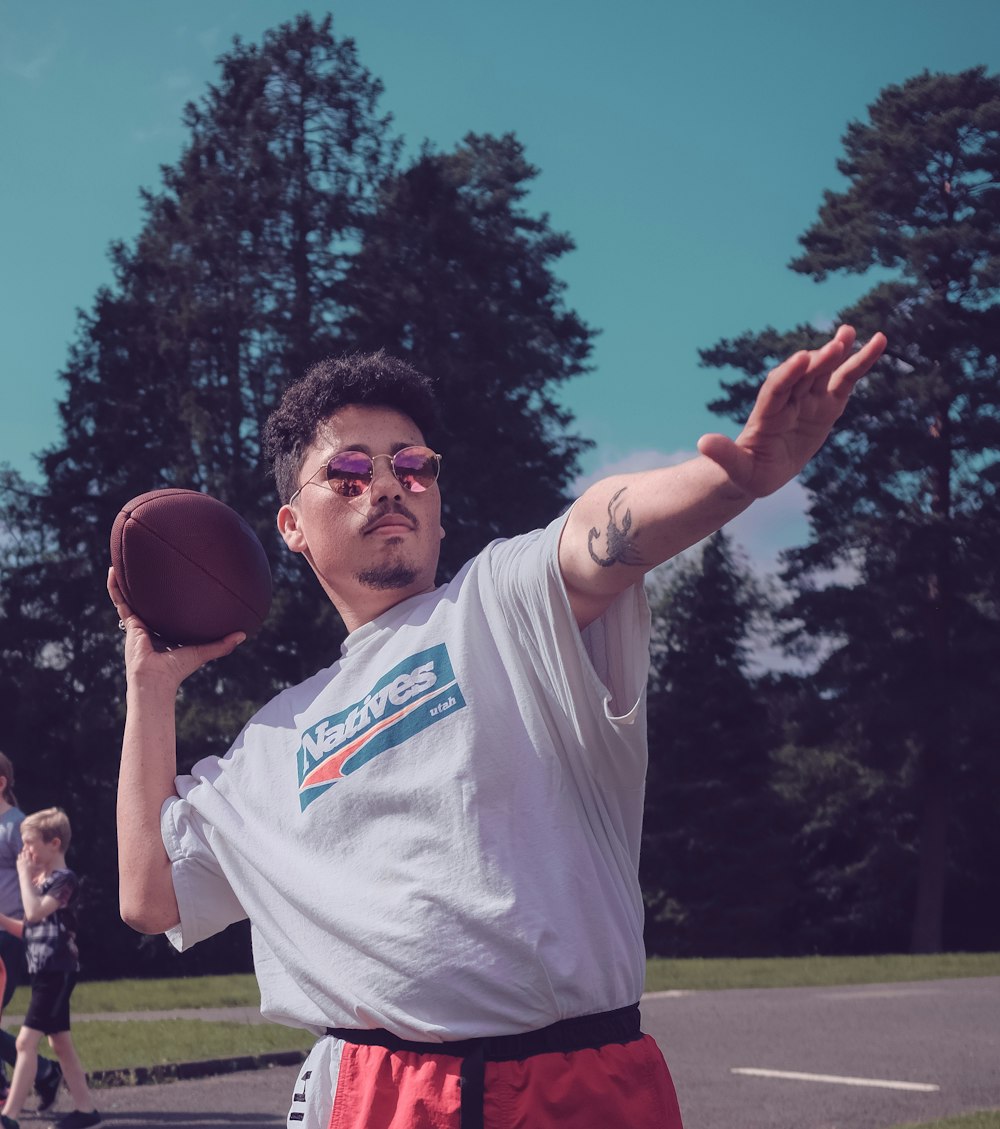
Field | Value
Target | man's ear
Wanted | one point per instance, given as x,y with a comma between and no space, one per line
288,527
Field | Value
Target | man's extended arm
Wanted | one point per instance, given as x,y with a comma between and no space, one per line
149,766
627,524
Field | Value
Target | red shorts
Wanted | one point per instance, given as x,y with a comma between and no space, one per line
618,1084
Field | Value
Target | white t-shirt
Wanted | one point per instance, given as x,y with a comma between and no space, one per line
439,834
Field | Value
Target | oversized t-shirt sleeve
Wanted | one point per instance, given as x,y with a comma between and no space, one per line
206,901
587,688
595,677
603,668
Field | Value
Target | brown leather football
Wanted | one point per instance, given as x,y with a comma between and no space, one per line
189,566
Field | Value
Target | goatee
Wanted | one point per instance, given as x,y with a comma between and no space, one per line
384,578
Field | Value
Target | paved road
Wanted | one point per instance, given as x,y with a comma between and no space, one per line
257,1099
941,1033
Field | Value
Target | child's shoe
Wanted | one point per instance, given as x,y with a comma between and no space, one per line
75,1120
8,1122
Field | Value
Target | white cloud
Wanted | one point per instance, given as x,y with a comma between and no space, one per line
629,464
771,524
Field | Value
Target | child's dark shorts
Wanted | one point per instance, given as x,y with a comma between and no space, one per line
48,1010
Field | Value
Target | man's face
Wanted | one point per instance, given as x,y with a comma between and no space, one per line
370,551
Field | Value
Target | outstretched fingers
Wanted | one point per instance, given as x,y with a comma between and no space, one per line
795,409
804,370
832,369
781,383
844,378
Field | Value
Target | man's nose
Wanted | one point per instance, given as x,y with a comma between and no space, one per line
384,483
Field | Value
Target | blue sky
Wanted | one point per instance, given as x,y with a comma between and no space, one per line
684,147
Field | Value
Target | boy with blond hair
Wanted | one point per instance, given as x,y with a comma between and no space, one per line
49,1077
48,892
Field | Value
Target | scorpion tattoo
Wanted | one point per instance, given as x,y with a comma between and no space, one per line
620,547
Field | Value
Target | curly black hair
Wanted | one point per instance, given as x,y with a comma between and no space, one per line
335,382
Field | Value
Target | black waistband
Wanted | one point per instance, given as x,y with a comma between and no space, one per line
576,1034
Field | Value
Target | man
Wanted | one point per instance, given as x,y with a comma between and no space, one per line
436,838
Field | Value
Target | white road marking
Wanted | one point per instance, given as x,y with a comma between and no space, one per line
668,994
880,994
797,1076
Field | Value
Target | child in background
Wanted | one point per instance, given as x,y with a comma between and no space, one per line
49,1075
48,893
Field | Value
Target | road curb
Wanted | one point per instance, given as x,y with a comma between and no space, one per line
177,1071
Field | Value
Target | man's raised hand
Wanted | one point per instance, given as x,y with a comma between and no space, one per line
796,409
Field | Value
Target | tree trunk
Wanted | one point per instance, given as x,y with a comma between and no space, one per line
928,918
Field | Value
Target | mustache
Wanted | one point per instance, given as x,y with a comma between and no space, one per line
391,508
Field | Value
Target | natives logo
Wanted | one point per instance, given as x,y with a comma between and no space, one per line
413,695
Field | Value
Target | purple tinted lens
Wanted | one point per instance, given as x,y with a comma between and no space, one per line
349,473
416,468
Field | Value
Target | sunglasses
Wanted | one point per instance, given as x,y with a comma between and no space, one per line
350,473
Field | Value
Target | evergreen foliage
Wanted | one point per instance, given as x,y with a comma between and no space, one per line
896,589
715,866
457,277
285,231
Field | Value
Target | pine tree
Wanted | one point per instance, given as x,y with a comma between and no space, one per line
229,286
714,867
904,497
456,275
256,256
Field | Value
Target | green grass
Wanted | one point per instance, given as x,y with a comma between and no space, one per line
120,1044
818,972
985,1119
110,1044
106,1045
689,974
154,995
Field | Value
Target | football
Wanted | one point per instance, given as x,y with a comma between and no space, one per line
189,566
